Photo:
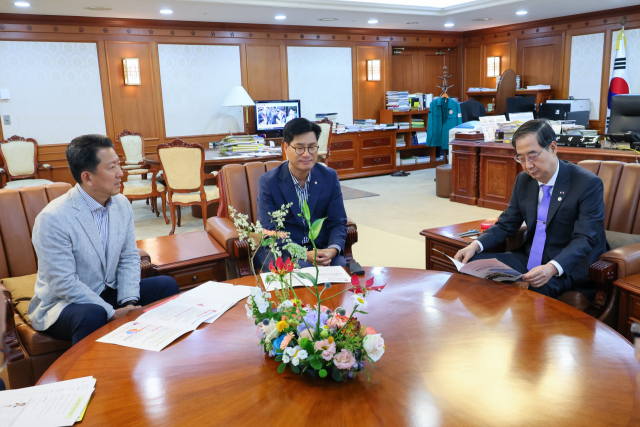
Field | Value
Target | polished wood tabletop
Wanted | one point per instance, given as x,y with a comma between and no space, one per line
460,351
212,157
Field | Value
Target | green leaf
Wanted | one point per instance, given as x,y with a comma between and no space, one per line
307,276
267,242
305,212
295,369
315,228
307,345
316,364
279,358
336,375
281,367
363,312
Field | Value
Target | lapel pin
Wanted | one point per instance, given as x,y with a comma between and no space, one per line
315,182
559,199
562,192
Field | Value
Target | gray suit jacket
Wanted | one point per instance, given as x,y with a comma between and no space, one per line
72,268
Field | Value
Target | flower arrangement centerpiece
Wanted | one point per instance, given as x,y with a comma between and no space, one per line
302,336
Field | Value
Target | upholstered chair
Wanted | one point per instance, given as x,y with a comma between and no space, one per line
146,189
183,166
20,159
133,147
324,140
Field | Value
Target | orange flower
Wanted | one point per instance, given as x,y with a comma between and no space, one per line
281,268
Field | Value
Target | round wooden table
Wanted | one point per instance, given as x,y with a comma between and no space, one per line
460,351
214,162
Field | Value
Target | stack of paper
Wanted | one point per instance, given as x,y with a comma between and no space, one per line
398,100
417,122
404,125
325,275
162,324
538,87
56,404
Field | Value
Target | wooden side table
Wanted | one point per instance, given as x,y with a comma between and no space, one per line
190,258
445,239
629,307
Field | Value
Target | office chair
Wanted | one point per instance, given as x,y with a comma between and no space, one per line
624,124
506,89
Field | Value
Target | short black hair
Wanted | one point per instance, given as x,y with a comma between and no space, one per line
540,127
299,126
82,154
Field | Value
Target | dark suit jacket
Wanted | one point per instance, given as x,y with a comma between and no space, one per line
575,224
275,188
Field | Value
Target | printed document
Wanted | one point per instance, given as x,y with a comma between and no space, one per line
491,269
330,274
489,125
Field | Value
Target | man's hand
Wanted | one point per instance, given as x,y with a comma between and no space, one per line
539,276
465,254
123,311
324,256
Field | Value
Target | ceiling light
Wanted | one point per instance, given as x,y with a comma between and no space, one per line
22,4
372,21
166,11
412,23
521,12
281,17
98,8
328,19
449,24
482,19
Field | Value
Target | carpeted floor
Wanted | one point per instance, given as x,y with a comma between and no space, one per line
349,193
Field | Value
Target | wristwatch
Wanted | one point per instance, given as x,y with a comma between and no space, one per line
130,302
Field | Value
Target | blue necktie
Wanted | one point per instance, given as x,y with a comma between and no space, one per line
540,236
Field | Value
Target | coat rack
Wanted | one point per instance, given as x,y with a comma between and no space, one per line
444,86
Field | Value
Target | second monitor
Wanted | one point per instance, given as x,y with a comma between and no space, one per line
271,116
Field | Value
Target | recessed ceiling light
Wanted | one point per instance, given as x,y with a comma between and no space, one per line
98,8
22,4
372,21
448,24
328,19
482,19
412,23
166,11
281,17
521,12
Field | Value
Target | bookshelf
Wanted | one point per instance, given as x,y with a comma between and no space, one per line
408,151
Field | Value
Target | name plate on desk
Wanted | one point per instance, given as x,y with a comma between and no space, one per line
578,141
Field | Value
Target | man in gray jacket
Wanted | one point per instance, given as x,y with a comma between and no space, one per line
88,262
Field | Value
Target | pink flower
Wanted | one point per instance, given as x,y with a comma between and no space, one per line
344,359
306,333
337,321
286,340
328,349
368,331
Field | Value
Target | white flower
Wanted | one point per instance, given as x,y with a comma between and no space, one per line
255,291
295,361
286,304
270,330
285,357
302,354
289,351
374,346
262,305
249,310
359,300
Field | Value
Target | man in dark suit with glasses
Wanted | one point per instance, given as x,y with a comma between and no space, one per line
562,205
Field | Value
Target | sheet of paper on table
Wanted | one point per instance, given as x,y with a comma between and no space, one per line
223,296
48,405
489,125
331,274
491,269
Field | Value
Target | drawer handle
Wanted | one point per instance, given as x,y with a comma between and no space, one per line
194,278
338,165
338,144
376,142
377,160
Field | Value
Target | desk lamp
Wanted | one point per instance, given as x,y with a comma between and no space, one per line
238,97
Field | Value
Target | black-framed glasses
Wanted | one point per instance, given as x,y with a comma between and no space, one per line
312,149
520,158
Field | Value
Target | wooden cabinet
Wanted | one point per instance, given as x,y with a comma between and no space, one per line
359,154
498,172
465,160
629,307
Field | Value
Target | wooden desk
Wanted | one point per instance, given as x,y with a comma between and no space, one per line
459,351
190,258
629,308
213,162
465,166
541,95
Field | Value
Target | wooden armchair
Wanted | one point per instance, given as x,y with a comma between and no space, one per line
239,188
324,140
20,160
183,166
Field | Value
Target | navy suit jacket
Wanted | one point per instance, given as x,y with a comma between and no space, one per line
575,222
275,188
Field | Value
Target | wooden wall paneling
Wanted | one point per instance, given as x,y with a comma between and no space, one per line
133,107
503,50
432,67
370,96
106,92
284,74
264,72
455,69
540,62
403,70
473,67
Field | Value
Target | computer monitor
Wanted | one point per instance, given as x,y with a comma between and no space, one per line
553,111
576,104
581,117
271,116
521,104
625,113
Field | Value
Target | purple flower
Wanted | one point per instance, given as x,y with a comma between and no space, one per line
312,318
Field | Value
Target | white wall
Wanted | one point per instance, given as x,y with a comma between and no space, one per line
321,78
195,81
55,90
585,77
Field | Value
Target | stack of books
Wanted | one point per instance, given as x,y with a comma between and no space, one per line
404,125
365,124
331,116
417,122
416,101
398,100
386,126
422,159
241,144
409,161
400,142
339,128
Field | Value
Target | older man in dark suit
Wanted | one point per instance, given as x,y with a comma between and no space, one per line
563,207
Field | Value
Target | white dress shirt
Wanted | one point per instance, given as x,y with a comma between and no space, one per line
552,183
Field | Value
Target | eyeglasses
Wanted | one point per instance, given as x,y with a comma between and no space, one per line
520,158
312,149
